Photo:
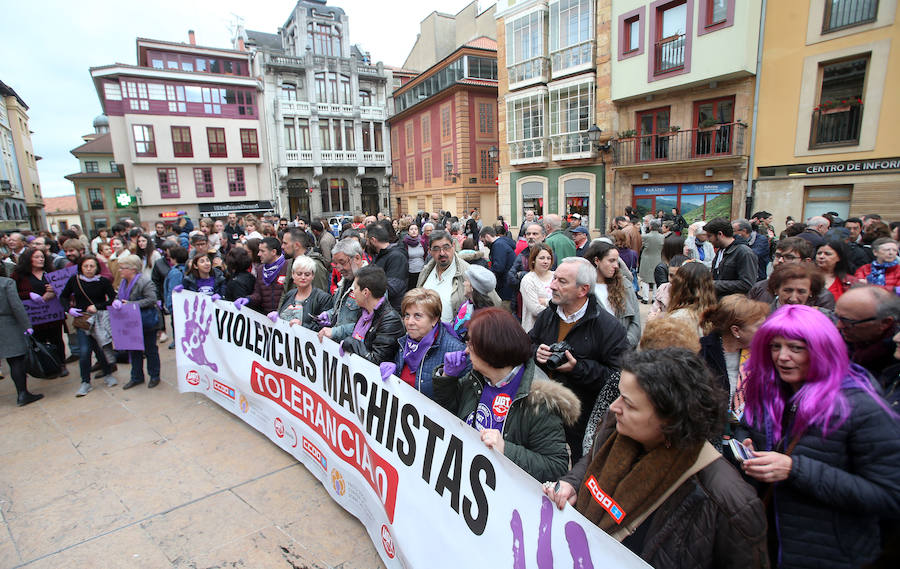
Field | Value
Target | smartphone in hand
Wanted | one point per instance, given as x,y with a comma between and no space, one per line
739,450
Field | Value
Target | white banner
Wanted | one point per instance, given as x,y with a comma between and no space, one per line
426,488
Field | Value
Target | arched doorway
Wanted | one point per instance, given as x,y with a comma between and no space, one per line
298,198
370,196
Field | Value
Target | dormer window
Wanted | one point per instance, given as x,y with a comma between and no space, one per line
324,39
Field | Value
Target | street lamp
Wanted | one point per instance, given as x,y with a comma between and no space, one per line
139,194
448,168
594,136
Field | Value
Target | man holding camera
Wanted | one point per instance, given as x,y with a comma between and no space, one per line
576,341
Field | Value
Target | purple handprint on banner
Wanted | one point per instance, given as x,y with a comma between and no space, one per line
575,536
196,328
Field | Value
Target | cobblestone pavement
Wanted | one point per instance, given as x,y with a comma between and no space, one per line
153,478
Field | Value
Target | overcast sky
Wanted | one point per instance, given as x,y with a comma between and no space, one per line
48,47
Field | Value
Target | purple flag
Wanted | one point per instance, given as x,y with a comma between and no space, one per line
58,279
42,312
126,328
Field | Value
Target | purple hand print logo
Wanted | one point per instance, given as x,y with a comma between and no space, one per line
575,536
196,329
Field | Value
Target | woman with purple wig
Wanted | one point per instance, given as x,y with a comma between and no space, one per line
825,446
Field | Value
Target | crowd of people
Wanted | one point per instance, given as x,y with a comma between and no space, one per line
746,418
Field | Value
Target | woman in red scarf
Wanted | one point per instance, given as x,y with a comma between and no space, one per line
654,482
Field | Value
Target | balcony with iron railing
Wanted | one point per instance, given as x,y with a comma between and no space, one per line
528,151
836,126
529,72
847,13
668,54
718,141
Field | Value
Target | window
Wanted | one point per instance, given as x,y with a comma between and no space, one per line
290,135
336,129
249,143
376,128
244,102
349,143
144,144
236,185
426,169
716,12
837,119
827,198
410,173
288,92
426,130
650,125
324,134
332,88
485,118
525,47
303,133
95,196
481,67
168,182
714,121
181,141
671,30
525,125
571,34
446,132
841,14
216,139
410,137
91,166
365,99
113,167
324,39
631,36
487,164
570,117
335,194
203,182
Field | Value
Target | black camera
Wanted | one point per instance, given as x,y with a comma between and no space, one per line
557,355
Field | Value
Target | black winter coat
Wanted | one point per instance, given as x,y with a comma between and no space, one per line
380,344
240,286
395,263
827,512
737,271
712,521
598,343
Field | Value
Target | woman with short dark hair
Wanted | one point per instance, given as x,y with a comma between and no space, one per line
653,482
240,278
519,411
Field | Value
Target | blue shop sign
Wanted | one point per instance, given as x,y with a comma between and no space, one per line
708,188
659,190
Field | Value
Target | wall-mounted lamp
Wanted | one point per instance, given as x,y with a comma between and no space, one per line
594,136
708,172
396,181
448,170
139,194
645,175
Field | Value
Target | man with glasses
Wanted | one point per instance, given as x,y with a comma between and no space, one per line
868,317
445,274
791,250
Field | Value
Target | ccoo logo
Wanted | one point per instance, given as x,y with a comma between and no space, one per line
279,427
387,541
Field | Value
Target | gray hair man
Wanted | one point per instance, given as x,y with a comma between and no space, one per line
562,246
595,341
444,274
347,257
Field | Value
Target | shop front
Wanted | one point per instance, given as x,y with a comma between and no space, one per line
561,191
532,198
695,201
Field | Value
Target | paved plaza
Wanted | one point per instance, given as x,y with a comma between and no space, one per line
153,478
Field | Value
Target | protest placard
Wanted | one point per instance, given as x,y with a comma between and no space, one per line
41,312
424,485
126,328
58,279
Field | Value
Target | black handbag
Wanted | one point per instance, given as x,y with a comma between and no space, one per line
42,359
149,317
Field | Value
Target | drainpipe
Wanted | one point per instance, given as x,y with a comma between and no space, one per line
752,163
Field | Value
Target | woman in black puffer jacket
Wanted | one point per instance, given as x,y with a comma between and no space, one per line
827,447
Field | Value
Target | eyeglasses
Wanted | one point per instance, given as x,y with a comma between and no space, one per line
445,248
850,322
787,257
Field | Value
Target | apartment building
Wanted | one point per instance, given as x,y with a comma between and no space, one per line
21,204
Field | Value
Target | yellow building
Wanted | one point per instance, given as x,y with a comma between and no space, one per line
21,204
827,128
683,79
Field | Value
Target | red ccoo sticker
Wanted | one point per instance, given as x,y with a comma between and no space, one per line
387,541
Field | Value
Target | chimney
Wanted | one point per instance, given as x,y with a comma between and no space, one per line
241,46
191,37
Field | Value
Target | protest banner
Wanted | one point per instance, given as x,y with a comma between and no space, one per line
40,312
125,326
428,491
58,279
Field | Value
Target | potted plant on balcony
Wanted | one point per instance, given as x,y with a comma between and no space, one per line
671,131
708,124
831,106
627,134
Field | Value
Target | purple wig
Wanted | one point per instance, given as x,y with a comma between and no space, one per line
820,402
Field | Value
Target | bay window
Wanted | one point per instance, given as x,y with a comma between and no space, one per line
525,126
571,116
571,35
525,58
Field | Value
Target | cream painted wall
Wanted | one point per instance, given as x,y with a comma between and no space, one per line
724,53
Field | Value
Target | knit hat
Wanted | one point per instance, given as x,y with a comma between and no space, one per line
483,280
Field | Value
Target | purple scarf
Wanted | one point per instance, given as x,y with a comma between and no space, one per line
414,351
365,321
493,407
125,291
270,271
